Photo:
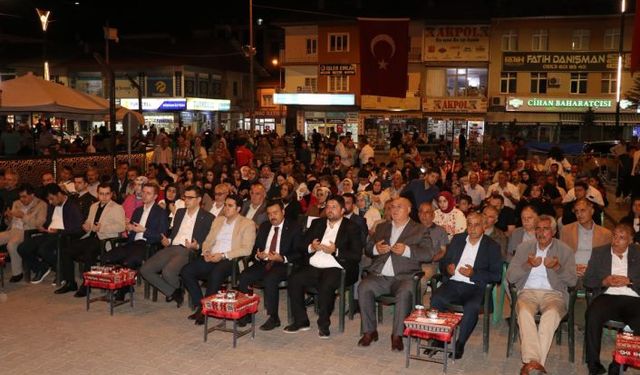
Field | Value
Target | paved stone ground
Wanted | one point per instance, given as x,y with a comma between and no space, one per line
43,333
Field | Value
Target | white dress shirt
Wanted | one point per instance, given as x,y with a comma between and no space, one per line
538,277
185,232
320,259
143,221
585,241
251,212
396,231
468,256
222,242
619,266
215,210
477,194
57,221
515,193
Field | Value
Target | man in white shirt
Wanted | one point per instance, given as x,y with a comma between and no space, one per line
366,152
221,192
471,262
509,191
191,227
163,154
341,150
333,243
542,271
475,190
614,275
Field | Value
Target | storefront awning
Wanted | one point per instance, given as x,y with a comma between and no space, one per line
606,119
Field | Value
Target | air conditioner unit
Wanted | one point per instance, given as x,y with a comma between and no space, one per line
497,101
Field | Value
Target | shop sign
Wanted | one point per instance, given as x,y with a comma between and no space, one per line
337,69
89,86
456,43
268,113
537,104
313,99
560,61
202,104
455,105
389,103
160,86
155,104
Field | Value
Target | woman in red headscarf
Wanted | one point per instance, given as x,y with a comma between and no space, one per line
448,216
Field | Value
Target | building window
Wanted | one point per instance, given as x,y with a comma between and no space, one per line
339,42
580,39
611,39
310,84
508,83
267,100
338,83
235,88
538,83
578,83
608,83
539,40
312,46
510,41
466,82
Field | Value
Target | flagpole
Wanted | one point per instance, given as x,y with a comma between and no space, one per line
619,70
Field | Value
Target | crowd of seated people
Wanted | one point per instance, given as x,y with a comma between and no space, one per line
278,210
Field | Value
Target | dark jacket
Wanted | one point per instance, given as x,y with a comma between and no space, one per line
347,242
599,267
71,217
84,202
261,213
157,224
488,265
200,229
291,235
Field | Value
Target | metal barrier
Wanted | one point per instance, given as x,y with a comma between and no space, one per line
31,168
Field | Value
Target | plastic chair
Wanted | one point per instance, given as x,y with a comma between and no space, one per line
618,326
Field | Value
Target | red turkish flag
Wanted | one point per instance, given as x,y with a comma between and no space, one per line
635,47
384,56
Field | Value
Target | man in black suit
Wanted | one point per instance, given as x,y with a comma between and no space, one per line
63,218
255,208
613,273
471,262
332,243
398,247
148,223
119,182
349,200
82,197
191,226
277,244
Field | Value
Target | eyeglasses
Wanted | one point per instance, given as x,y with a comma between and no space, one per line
189,197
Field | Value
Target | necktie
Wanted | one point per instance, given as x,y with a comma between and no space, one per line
272,247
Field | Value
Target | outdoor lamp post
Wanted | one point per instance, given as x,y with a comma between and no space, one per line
623,6
43,16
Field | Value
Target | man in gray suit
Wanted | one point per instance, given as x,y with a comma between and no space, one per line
527,232
542,271
397,248
255,208
191,226
613,274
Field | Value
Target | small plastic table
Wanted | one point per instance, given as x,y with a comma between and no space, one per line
230,306
110,280
443,328
627,351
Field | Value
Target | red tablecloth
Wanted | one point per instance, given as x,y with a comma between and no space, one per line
440,328
221,306
115,279
627,350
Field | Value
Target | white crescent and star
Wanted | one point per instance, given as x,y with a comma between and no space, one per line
382,64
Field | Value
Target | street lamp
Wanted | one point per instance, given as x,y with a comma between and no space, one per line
275,63
623,8
43,16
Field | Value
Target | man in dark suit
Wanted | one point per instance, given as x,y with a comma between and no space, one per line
349,200
191,226
277,244
255,208
148,223
398,247
613,273
119,182
63,218
332,243
82,197
471,262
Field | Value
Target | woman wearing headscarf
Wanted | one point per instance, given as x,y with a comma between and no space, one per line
448,216
134,200
171,202
366,210
322,195
346,186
